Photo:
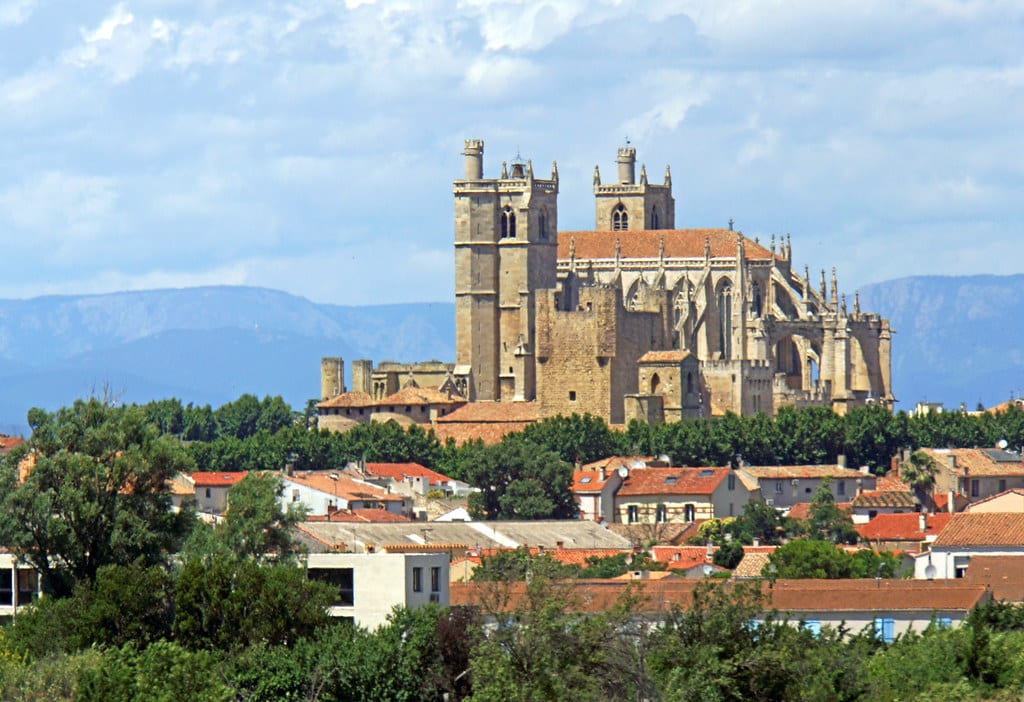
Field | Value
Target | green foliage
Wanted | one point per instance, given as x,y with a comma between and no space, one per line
51,679
728,555
805,558
576,438
162,672
97,494
825,519
518,480
226,603
760,521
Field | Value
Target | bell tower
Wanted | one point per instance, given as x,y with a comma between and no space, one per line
505,251
626,205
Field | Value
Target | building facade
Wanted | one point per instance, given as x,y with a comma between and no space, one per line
570,319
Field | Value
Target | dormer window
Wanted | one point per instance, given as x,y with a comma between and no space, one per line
508,223
620,219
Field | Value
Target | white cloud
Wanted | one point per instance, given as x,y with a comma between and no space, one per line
15,12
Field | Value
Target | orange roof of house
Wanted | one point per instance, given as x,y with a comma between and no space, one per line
892,481
406,396
664,357
370,516
342,486
218,479
809,471
401,471
590,480
678,243
902,527
504,412
672,481
889,499
802,510
613,462
488,432
975,462
9,442
983,529
1004,575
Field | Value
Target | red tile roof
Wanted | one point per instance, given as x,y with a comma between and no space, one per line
220,479
488,432
664,357
475,412
885,499
401,471
983,529
342,486
974,462
678,243
809,471
406,396
802,510
589,480
9,442
370,516
1004,575
672,481
902,527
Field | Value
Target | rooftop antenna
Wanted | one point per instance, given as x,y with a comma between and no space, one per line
730,224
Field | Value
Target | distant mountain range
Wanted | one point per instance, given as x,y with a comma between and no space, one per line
958,340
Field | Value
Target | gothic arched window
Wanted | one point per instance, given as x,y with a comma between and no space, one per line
620,219
655,383
508,223
725,320
755,294
654,218
542,224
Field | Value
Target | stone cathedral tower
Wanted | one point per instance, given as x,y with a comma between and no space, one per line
505,250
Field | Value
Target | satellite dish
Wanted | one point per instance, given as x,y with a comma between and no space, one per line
1002,443
707,570
623,472
930,572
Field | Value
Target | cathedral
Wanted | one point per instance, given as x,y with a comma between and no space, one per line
639,319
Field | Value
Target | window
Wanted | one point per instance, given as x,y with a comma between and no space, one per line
542,224
295,495
584,480
689,512
631,514
841,487
778,486
654,218
725,321
417,580
731,481
207,493
1002,486
572,396
671,479
508,223
812,625
620,219
435,579
340,578
660,514
975,488
884,629
944,622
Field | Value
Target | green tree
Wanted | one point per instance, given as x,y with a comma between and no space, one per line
826,520
807,558
729,554
97,494
576,438
518,480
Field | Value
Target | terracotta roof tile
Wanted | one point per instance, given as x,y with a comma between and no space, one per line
589,480
349,399
664,357
488,432
614,462
476,412
218,479
367,516
902,527
983,529
809,471
672,481
751,565
401,471
679,243
886,499
1004,575
975,462
342,486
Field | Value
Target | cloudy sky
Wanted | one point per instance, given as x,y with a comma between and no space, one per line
309,146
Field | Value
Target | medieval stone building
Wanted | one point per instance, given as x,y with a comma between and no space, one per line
639,319
635,319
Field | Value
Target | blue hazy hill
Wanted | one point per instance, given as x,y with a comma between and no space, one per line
958,339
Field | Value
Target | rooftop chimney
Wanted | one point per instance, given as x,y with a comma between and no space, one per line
841,460
922,521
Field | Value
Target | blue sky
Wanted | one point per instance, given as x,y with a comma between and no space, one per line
310,146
